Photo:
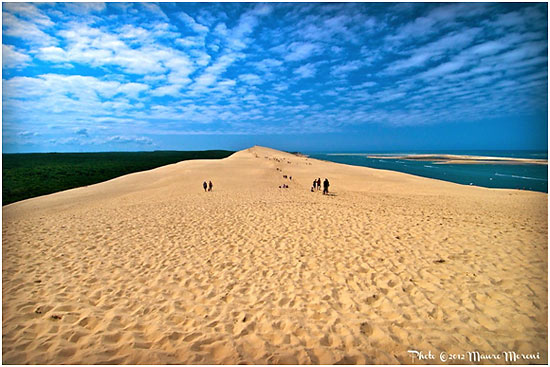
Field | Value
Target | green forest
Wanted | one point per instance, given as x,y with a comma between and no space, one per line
33,174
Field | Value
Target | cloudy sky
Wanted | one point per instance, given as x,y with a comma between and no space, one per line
296,76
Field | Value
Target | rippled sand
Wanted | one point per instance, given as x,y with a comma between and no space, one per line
150,269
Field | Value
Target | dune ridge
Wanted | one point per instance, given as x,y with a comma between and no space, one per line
150,269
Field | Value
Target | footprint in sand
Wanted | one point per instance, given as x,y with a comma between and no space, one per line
366,329
370,300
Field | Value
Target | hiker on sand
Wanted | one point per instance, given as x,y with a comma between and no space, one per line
314,185
204,185
325,186
210,185
319,183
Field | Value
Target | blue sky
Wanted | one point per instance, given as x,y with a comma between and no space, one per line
294,76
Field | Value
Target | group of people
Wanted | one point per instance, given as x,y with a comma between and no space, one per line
317,185
207,186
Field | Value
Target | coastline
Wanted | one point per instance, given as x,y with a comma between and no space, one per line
462,159
149,268
503,173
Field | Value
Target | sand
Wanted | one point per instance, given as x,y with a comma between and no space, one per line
150,269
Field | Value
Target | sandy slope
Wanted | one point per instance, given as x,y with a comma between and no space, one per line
148,268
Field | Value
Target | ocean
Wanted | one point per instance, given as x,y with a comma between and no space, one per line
506,176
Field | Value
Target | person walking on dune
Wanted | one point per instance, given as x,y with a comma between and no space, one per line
314,185
210,185
319,183
204,185
325,186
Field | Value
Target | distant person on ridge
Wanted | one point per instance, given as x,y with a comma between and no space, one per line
325,186
319,183
210,185
204,185
314,185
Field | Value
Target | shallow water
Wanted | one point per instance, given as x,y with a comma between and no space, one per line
510,176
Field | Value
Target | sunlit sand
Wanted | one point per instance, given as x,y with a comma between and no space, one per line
151,269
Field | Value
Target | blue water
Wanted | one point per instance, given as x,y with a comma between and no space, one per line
507,176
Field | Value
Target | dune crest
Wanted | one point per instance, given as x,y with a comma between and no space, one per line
149,269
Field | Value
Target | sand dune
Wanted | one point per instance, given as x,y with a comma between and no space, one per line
150,269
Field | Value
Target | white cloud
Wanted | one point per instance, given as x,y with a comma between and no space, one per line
364,85
297,51
140,140
205,80
262,9
221,29
488,48
280,87
440,18
13,58
25,30
154,9
145,59
213,47
523,52
226,83
200,57
85,140
252,79
208,18
421,55
237,38
85,8
67,93
336,49
340,71
521,19
192,23
190,41
306,71
180,67
416,60
154,79
214,71
53,54
453,41
96,47
27,134
267,65
167,90
29,11
132,90
129,31
340,26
